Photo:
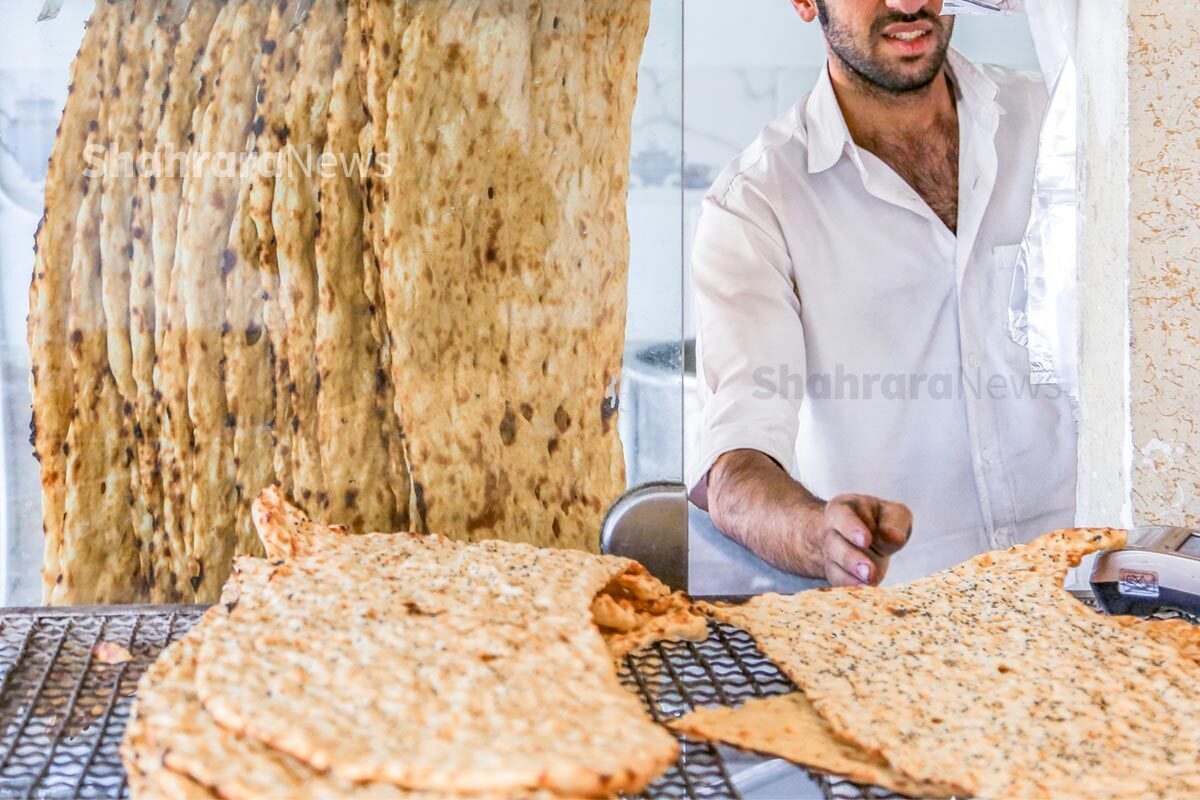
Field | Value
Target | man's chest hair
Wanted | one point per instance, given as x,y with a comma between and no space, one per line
928,163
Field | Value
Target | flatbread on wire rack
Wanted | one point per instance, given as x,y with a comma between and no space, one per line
491,646
788,726
170,731
992,680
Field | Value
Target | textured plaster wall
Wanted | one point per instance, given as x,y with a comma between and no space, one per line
1164,260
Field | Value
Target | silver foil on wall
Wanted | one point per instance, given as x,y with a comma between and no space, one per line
1043,307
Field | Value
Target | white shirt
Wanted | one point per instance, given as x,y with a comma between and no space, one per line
817,268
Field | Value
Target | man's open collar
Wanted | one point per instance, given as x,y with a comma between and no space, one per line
829,137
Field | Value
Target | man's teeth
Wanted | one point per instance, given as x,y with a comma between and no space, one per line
908,36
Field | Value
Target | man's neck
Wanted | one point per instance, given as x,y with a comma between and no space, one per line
874,114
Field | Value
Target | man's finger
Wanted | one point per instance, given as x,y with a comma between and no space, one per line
865,566
893,528
844,516
839,577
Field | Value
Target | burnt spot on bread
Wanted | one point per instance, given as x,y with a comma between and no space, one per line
527,412
508,427
608,410
562,420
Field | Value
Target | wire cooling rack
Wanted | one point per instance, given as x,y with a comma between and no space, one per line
63,711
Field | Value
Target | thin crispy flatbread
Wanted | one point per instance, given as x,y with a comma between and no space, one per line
489,646
223,125
171,730
158,563
294,220
380,27
123,116
281,59
249,373
99,555
992,679
350,431
505,279
789,727
49,293
175,132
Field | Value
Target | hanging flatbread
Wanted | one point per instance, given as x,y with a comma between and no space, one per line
294,220
249,373
505,259
121,123
210,195
992,679
351,436
182,92
789,727
100,561
281,59
50,290
158,562
480,661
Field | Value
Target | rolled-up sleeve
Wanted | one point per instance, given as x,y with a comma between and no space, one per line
750,343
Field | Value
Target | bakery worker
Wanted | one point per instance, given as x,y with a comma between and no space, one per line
864,409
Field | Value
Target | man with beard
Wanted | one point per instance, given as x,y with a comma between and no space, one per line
863,404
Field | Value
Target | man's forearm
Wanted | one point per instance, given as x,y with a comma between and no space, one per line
757,504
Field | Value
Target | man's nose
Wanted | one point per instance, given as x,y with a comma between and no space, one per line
907,6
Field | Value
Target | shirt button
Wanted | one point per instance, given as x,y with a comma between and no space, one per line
972,360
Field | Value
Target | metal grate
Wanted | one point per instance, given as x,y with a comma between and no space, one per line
62,713
728,669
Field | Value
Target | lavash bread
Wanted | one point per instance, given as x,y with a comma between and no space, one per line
156,548
171,732
49,292
504,276
991,679
501,631
249,388
352,438
182,93
121,112
788,726
294,217
222,124
99,554
246,343
281,59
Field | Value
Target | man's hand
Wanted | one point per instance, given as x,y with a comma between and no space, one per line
858,536
847,540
